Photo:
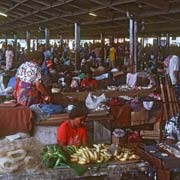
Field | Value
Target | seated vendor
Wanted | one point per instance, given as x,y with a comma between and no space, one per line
28,87
88,83
73,131
116,81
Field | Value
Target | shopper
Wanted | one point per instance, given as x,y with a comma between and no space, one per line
28,87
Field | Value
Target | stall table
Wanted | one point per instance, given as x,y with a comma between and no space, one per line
106,171
81,96
165,166
15,118
99,126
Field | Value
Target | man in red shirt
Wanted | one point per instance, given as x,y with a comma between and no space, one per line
73,131
88,83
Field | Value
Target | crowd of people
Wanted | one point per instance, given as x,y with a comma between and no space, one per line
40,70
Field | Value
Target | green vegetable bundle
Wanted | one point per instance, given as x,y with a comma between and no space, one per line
55,156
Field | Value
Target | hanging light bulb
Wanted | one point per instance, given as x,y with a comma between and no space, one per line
3,14
92,14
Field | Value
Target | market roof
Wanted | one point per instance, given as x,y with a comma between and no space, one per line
154,16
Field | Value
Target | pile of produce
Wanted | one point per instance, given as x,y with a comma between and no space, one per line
85,155
100,154
125,154
54,156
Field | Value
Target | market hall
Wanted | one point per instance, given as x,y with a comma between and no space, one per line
89,89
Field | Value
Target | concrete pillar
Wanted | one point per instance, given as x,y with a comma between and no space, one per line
15,41
167,40
47,36
102,46
28,40
112,39
135,46
6,40
131,43
159,41
15,47
37,43
77,45
142,42
133,40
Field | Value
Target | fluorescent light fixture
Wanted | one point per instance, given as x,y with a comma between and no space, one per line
92,14
2,14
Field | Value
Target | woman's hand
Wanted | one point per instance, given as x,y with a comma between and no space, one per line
47,99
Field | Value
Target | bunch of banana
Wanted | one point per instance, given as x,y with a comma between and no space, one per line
71,149
103,153
124,155
85,155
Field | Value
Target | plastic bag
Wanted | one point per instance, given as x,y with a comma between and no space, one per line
93,101
1,84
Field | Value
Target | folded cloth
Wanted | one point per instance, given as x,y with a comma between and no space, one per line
39,114
51,108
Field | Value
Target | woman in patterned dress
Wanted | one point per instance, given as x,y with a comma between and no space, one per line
28,87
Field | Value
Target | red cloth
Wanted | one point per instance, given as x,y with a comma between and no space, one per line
67,135
15,119
92,83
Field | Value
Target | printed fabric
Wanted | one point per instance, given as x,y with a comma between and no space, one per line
27,94
172,128
29,72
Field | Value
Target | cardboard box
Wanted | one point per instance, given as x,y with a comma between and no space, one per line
117,140
139,117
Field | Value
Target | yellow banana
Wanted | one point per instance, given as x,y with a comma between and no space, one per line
82,162
91,155
74,159
95,156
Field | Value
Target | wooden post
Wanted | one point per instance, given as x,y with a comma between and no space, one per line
165,113
169,97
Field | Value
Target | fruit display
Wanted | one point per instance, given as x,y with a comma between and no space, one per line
55,156
125,154
100,154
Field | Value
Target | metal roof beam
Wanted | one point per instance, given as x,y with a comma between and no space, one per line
42,2
160,4
16,5
36,11
108,5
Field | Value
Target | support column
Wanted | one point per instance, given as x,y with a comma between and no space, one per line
47,36
131,43
143,42
77,45
112,39
15,41
167,40
28,40
6,40
133,29
159,41
37,43
102,47
15,47
135,46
